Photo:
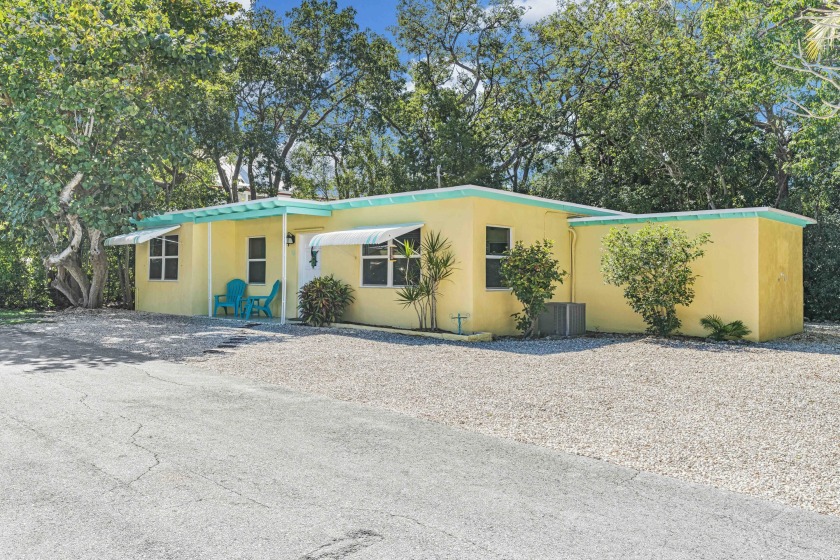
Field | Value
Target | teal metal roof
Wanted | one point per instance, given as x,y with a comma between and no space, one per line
764,212
278,206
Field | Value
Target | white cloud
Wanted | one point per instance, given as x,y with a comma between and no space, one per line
246,4
536,9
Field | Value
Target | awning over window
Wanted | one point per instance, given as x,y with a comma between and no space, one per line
141,236
367,235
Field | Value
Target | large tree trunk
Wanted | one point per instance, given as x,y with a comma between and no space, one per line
71,279
125,279
99,264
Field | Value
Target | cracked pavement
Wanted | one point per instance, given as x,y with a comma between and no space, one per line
106,454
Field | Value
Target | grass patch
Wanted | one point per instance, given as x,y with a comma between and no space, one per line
18,316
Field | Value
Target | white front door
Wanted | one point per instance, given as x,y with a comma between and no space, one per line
306,257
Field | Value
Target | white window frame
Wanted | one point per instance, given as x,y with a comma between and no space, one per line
163,258
495,257
249,260
391,252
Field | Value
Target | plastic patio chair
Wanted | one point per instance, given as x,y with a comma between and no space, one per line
232,299
253,302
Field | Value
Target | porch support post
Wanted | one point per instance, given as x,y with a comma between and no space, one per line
283,281
209,269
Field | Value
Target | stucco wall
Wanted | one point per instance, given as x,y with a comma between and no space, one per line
492,309
170,296
728,283
781,303
752,271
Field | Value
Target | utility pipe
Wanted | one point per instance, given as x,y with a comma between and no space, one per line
572,244
209,269
283,281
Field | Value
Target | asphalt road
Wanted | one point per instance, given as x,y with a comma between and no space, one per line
109,455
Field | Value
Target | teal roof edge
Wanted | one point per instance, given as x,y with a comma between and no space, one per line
277,206
767,213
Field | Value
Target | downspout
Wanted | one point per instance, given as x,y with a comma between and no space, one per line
283,281
209,269
572,277
571,248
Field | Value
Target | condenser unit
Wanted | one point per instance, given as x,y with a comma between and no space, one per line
563,319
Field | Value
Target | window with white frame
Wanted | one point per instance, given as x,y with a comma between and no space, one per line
256,260
498,241
163,258
386,265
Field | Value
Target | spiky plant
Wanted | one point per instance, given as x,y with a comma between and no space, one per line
736,330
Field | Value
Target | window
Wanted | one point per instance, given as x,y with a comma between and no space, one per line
163,258
385,265
498,241
256,260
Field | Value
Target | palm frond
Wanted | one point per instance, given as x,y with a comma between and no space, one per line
825,30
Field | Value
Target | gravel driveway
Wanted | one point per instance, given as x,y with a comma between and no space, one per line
761,419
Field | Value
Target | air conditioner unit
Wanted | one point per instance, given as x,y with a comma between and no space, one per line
563,319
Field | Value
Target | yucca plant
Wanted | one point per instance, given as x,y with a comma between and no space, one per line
736,330
415,294
323,300
436,264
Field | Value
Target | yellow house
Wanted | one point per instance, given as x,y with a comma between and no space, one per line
752,271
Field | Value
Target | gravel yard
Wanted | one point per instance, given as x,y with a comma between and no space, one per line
761,419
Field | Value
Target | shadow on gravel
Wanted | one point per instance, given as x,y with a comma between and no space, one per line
542,347
48,353
804,343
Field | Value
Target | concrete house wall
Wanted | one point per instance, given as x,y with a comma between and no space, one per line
752,271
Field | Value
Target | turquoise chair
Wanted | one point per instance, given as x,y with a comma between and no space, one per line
232,299
253,302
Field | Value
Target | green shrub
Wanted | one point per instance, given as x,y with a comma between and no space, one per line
531,273
23,281
654,267
821,268
736,330
323,300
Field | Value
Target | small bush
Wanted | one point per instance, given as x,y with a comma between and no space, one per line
736,330
653,265
531,273
323,300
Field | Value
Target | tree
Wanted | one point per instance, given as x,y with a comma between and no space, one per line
482,106
84,90
293,81
531,273
653,265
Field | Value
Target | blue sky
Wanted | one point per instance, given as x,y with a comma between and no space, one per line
378,15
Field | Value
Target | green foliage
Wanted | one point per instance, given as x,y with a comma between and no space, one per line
531,273
323,300
821,268
436,265
23,281
653,265
90,94
736,330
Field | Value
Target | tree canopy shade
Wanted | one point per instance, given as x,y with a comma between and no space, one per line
87,95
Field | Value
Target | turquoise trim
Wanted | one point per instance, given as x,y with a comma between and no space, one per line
470,191
274,207
777,216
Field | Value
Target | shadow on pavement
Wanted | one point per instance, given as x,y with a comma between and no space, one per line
50,353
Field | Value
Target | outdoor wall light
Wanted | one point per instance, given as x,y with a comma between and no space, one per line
290,238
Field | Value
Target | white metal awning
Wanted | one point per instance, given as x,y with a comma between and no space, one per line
367,235
141,236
